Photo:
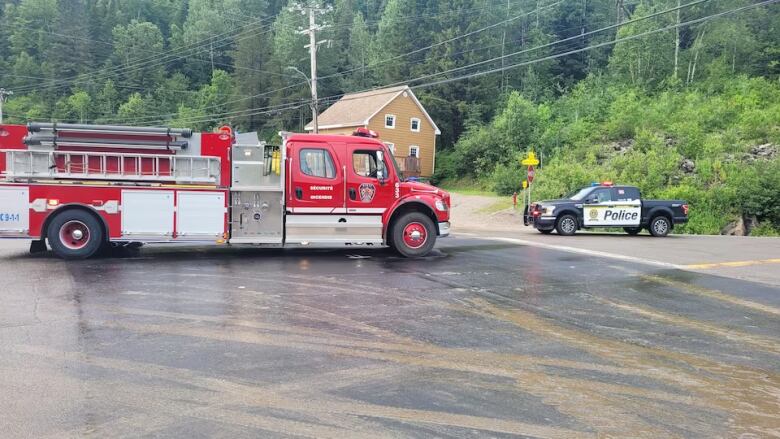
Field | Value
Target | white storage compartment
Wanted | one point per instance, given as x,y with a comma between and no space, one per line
14,211
200,214
147,213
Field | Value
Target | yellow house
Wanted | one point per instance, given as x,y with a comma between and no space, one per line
398,117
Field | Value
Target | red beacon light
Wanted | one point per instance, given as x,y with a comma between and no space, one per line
365,132
225,132
607,183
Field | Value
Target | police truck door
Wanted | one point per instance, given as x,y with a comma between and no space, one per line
604,208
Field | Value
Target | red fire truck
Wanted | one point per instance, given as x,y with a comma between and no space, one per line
83,188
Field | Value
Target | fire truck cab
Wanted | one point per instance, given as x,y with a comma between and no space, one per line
82,188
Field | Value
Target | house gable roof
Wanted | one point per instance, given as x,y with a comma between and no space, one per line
357,109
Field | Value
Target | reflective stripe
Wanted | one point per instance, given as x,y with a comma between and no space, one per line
316,209
366,210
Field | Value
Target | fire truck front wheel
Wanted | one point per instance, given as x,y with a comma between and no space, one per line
75,234
414,235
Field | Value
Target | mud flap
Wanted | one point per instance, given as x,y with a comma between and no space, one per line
38,246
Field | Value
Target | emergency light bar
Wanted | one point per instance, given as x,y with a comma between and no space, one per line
365,132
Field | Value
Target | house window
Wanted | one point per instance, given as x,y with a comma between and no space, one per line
389,120
415,125
317,163
391,147
414,151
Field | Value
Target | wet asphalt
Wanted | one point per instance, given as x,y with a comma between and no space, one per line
481,339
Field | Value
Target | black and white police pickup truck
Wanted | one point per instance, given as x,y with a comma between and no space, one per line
607,205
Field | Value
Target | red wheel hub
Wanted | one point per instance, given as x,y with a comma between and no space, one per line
415,235
74,235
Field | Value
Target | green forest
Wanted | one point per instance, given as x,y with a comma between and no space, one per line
679,97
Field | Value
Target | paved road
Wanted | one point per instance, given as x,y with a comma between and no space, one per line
482,339
742,257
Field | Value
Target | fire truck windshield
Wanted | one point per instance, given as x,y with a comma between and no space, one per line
395,164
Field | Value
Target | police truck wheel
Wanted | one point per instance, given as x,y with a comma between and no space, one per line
75,234
660,226
413,235
633,231
567,225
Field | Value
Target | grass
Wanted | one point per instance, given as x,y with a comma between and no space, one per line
466,186
502,203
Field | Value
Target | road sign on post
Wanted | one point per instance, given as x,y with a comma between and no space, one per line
531,160
531,174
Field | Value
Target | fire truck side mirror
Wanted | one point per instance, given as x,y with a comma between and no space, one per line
380,166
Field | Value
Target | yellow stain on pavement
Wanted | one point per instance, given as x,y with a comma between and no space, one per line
712,294
732,264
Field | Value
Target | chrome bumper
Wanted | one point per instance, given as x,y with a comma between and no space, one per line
444,229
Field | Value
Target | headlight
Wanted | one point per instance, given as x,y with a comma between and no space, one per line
548,210
441,205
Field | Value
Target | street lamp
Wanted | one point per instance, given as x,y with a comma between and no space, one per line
314,106
3,95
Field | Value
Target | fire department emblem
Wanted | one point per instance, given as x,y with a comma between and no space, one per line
367,191
593,214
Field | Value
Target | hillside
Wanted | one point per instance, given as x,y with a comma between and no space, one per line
716,147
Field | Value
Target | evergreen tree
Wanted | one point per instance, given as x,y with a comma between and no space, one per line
132,44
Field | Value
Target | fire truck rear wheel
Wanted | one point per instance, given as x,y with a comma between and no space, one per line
414,235
75,234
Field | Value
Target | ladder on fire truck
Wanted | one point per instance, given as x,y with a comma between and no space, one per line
75,152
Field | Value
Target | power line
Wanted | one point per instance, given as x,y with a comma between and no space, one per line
536,11
546,58
607,43
134,65
157,117
153,61
572,38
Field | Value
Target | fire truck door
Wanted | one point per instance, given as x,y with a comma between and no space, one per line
315,183
369,190
367,194
315,195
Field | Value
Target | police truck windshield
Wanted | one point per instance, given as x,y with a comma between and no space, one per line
580,194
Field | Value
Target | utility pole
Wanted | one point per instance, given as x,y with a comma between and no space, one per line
618,15
312,30
3,96
677,42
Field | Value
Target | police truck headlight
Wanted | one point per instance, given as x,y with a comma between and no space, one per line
548,210
441,205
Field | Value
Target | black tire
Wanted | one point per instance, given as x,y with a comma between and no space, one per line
566,225
75,234
545,231
633,231
660,226
414,235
